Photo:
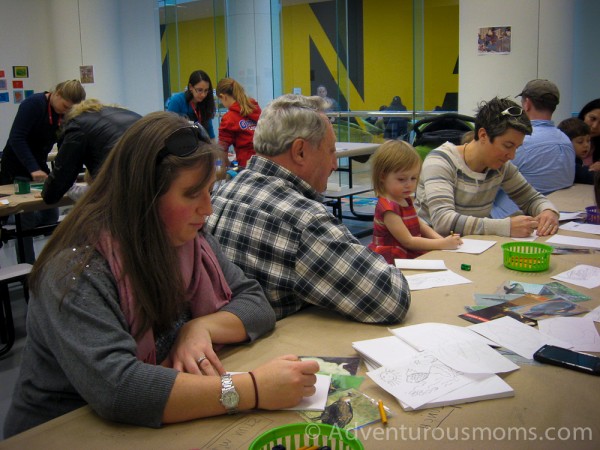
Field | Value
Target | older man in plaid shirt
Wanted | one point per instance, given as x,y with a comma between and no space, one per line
271,222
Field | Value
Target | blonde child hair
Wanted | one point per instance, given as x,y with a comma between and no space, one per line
234,89
392,156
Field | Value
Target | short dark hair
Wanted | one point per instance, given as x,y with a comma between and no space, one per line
574,127
492,119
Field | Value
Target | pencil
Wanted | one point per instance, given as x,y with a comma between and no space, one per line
452,233
382,413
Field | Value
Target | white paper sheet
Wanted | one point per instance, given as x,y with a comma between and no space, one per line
580,332
490,387
516,336
421,264
435,279
574,241
581,227
420,380
385,351
594,314
474,246
317,401
530,238
581,275
571,215
473,357
430,334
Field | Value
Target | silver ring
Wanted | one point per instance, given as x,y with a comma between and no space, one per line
199,360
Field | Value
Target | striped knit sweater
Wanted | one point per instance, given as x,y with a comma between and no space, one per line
452,197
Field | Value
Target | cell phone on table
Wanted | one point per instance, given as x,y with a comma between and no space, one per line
569,359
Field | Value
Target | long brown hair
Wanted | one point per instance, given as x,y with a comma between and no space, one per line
123,201
234,89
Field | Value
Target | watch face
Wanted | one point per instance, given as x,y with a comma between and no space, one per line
230,399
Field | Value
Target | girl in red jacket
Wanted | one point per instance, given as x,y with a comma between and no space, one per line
238,124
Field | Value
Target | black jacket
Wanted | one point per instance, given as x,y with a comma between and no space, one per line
87,139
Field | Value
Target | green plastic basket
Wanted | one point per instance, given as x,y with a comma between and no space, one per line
526,256
298,435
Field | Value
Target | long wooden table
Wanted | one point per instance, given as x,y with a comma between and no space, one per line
550,403
11,203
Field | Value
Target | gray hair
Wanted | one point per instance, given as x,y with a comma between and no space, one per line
288,118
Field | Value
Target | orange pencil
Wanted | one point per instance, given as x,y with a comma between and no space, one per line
382,413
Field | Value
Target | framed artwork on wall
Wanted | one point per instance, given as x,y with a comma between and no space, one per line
20,71
18,96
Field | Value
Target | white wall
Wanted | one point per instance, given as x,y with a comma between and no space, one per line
542,47
23,44
120,38
250,60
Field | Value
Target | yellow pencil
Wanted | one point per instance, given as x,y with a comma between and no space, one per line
382,413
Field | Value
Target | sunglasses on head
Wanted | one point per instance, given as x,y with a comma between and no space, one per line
183,142
512,111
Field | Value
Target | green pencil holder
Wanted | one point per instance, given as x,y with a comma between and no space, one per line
298,435
22,186
526,256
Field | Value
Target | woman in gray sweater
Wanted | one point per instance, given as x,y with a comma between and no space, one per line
129,297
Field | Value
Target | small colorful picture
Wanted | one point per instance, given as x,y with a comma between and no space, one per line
28,92
3,97
20,71
2,75
494,40
2,85
17,84
18,96
86,73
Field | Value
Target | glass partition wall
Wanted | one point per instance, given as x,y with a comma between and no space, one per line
383,64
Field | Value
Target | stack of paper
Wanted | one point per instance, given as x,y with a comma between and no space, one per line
431,365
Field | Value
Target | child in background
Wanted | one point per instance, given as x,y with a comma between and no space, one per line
397,230
238,124
579,133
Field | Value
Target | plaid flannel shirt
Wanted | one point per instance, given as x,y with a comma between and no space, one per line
274,226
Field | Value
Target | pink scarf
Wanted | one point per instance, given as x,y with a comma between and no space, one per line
207,290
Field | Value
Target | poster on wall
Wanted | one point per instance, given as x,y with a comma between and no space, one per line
3,85
86,74
494,40
18,96
17,84
20,72
3,97
28,92
2,74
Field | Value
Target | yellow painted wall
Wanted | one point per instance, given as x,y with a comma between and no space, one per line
197,50
441,50
388,51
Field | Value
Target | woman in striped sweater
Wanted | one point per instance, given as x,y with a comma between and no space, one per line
458,184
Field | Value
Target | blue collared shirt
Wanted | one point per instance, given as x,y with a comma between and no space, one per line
546,160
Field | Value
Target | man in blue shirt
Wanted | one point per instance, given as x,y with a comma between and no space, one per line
547,158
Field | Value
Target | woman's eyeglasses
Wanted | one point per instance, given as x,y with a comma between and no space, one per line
512,111
183,142
200,90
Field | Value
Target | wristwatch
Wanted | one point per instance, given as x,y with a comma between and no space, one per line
229,396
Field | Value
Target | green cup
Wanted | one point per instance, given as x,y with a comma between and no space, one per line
22,185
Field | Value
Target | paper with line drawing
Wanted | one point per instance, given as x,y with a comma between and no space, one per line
581,275
420,379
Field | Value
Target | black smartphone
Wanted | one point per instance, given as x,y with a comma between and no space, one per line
568,358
